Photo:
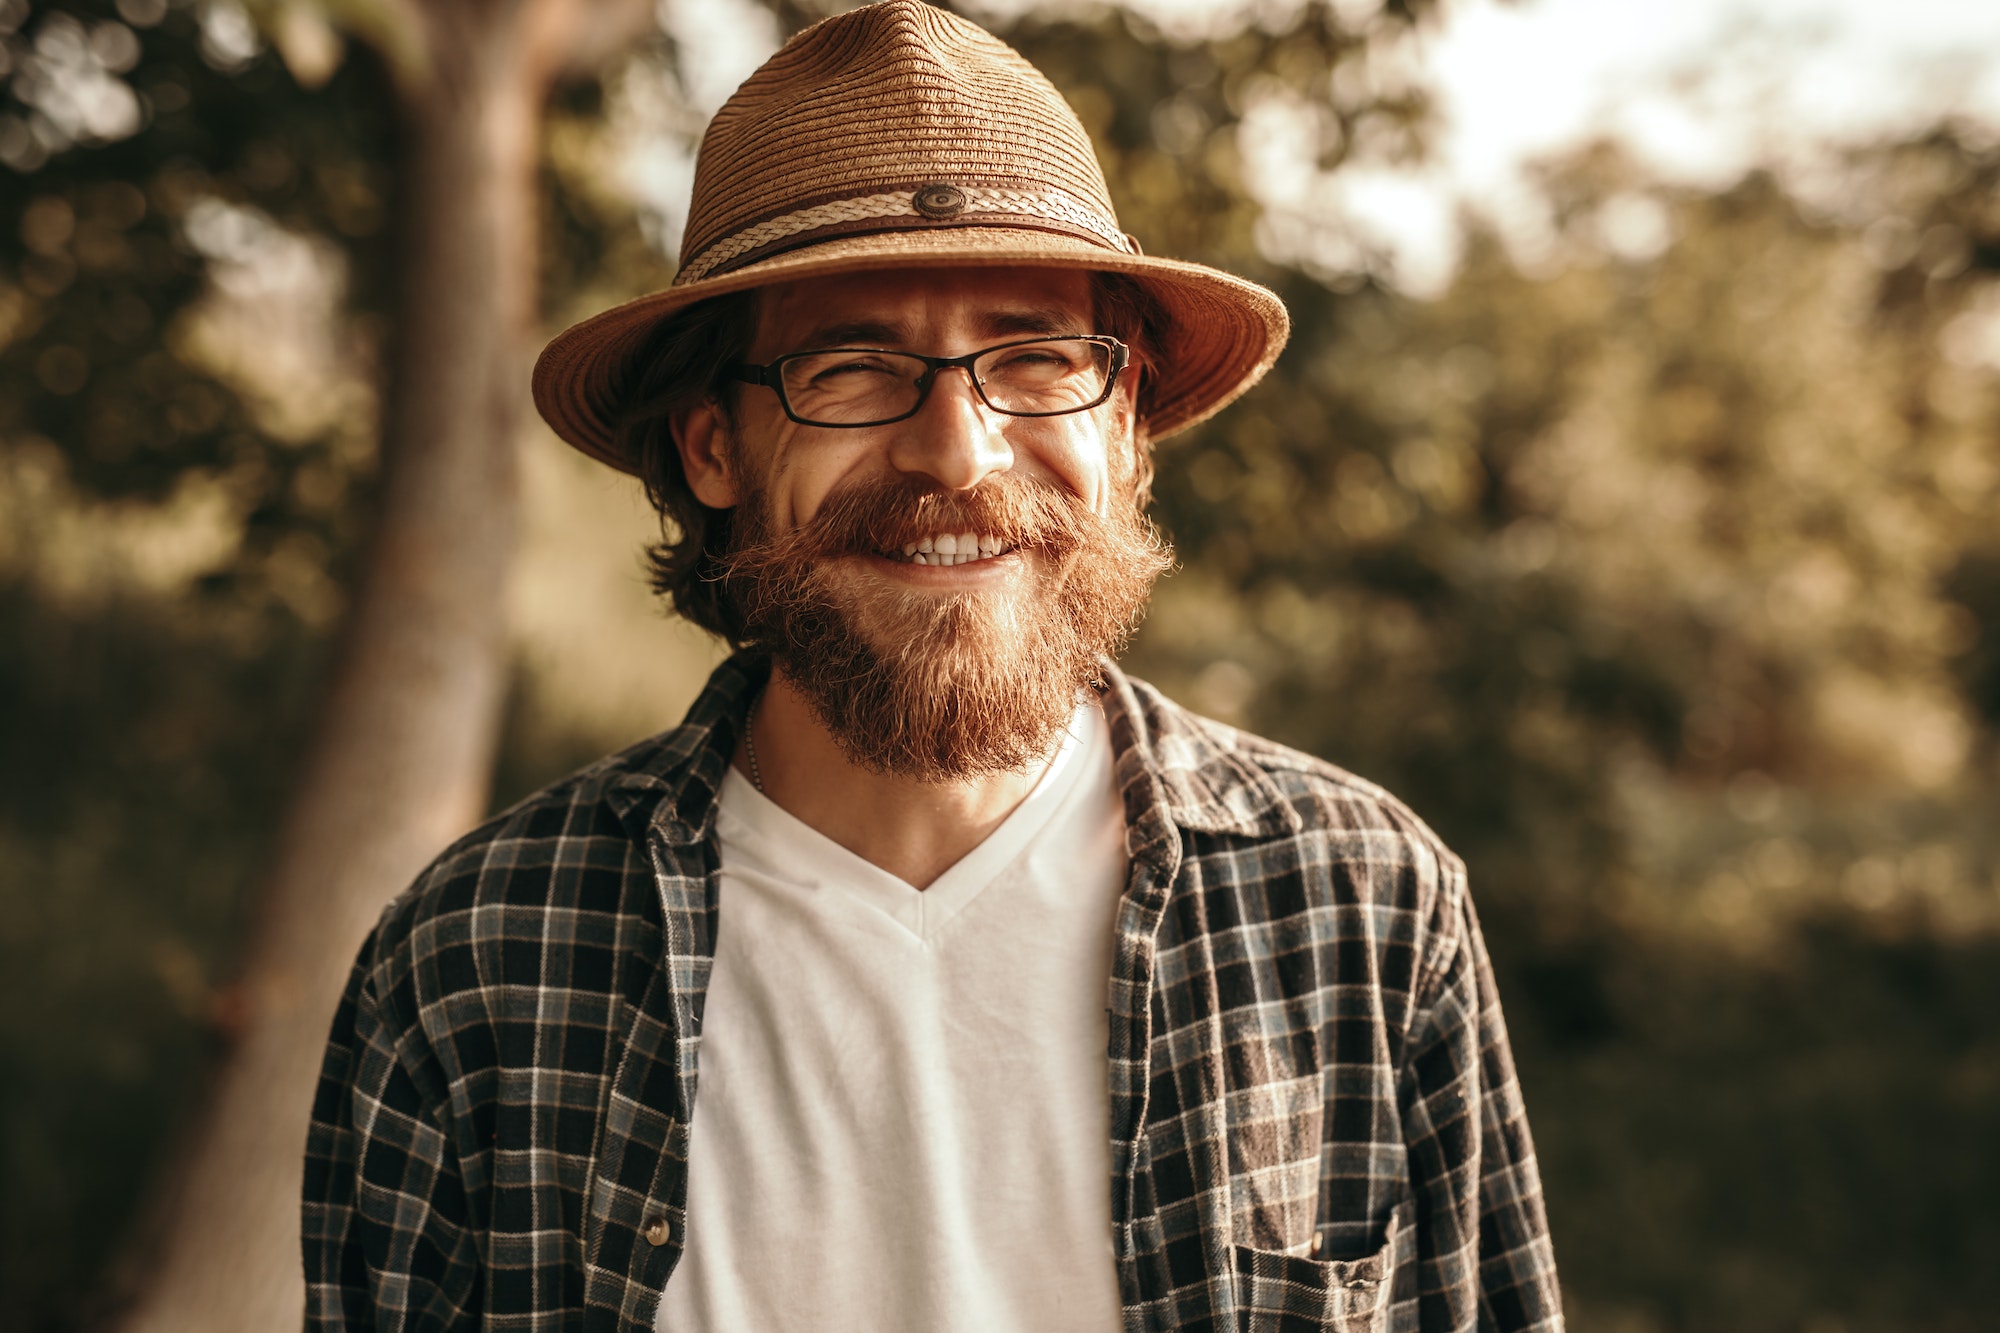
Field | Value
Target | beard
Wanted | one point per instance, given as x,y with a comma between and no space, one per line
944,686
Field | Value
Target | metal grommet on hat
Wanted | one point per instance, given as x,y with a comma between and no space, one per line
939,201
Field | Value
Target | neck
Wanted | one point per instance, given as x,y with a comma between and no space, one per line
914,830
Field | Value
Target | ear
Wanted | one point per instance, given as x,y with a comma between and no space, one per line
1123,424
702,437
1126,397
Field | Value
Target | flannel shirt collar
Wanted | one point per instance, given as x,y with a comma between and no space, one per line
1176,771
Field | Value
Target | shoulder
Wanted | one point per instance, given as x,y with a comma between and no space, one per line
575,823
554,883
1300,829
1214,775
559,890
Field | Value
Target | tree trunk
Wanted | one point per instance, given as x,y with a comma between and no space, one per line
401,760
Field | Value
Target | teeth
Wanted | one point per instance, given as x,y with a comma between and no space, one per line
953,548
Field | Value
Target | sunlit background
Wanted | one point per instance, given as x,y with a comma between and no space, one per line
1626,501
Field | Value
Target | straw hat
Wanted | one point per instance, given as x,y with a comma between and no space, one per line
900,136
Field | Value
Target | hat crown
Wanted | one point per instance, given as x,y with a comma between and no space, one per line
888,98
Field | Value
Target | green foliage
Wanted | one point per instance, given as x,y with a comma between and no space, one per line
1777,1144
1975,586
144,760
102,271
1164,115
1539,523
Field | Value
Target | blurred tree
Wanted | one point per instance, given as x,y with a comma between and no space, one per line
403,749
152,154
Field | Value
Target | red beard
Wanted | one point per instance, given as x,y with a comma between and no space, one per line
944,686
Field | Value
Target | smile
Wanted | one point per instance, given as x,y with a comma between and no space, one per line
951,548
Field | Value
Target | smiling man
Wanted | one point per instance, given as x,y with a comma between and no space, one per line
933,974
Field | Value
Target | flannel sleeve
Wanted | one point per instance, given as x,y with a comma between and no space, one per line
385,1234
1484,1257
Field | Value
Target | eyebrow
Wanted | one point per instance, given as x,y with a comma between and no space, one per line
852,333
1030,323
1053,322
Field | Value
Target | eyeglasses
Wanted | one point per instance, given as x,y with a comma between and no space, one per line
866,386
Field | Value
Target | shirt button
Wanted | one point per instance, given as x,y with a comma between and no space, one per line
658,1232
1319,1240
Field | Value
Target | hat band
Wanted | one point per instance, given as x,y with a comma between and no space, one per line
961,206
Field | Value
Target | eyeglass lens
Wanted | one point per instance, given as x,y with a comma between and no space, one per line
851,387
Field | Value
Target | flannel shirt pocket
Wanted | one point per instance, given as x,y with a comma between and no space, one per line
1285,1293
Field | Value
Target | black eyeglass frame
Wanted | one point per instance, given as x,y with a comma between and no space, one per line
771,376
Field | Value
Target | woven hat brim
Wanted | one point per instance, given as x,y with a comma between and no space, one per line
1226,331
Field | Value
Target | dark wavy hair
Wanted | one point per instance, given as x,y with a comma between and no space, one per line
685,362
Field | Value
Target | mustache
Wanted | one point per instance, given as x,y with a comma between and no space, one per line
875,517
941,688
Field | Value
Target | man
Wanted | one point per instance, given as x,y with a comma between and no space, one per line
932,974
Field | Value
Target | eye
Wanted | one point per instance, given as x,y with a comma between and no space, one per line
830,369
1037,359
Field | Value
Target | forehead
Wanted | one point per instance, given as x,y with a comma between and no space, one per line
922,306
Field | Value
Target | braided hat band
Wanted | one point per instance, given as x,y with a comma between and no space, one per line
901,136
919,206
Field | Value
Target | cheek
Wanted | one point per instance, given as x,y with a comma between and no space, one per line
765,453
1085,456
805,469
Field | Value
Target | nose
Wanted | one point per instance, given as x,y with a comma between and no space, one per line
954,439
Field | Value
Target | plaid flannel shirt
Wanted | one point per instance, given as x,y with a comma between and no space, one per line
1314,1119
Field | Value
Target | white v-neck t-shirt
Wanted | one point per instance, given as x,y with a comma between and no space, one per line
902,1122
